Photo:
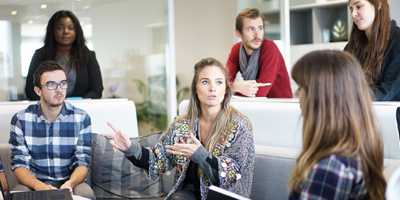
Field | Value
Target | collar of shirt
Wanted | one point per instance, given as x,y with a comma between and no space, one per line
40,117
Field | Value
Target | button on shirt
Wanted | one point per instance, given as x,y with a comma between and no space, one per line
51,151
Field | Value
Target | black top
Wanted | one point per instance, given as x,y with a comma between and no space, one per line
388,88
191,174
89,83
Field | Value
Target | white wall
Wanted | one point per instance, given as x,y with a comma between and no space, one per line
6,59
205,28
394,10
202,29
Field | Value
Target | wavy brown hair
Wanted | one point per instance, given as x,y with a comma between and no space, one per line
337,117
371,53
223,120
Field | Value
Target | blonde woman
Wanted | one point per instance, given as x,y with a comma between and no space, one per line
342,154
212,144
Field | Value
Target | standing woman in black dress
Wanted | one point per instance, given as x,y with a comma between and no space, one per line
64,43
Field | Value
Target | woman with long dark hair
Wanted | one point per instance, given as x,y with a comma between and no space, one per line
342,153
212,144
375,42
64,43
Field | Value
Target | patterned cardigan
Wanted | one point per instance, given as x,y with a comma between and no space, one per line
234,152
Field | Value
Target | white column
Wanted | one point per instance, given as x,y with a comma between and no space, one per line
171,64
285,32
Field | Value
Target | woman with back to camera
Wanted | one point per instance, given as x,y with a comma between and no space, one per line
212,144
64,43
342,153
375,42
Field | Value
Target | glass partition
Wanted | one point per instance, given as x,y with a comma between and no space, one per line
128,37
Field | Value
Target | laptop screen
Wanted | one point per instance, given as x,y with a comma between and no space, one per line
3,181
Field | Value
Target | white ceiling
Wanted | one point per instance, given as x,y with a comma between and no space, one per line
31,2
30,9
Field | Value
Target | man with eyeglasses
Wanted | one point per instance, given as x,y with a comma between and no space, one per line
51,141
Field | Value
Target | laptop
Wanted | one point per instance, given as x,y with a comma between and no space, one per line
60,194
217,193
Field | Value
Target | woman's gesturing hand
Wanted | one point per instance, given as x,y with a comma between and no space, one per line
119,139
185,150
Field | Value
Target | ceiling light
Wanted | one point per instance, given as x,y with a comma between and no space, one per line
30,22
43,6
14,12
78,0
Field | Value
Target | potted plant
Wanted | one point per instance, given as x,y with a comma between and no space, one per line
153,110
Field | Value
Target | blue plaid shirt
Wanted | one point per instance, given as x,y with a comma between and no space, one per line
334,177
51,151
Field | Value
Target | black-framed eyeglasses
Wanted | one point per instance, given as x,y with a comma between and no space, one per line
53,86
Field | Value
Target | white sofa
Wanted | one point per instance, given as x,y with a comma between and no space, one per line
120,112
276,126
277,135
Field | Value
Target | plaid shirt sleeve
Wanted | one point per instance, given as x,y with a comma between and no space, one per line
20,156
330,178
83,146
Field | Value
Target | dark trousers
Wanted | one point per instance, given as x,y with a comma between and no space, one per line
183,195
186,192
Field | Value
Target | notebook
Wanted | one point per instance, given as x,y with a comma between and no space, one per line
60,194
216,193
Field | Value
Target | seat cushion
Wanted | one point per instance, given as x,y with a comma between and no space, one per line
272,169
114,176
